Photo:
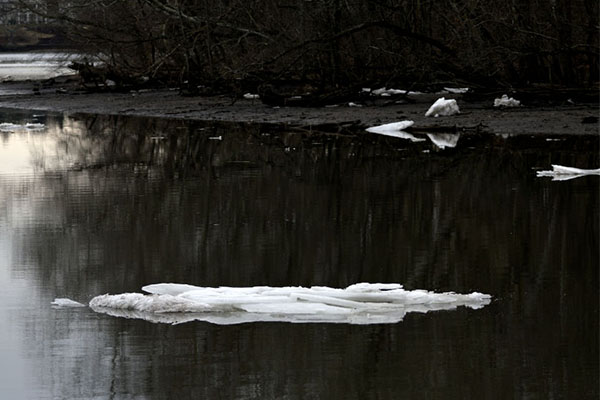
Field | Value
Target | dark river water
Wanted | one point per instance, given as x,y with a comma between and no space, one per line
92,205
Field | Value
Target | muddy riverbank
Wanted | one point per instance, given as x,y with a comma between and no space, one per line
559,116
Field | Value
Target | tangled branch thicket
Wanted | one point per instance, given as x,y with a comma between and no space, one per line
340,43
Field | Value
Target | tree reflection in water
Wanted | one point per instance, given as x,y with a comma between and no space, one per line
108,204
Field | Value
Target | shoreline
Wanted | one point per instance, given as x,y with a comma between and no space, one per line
563,119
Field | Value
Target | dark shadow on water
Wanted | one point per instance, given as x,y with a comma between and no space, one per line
111,203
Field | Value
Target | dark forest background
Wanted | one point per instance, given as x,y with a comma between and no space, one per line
339,43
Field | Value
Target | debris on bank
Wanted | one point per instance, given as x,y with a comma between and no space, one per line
506,101
443,107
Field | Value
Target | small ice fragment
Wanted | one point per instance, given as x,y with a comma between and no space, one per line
66,303
215,138
352,104
251,96
562,173
35,127
562,170
387,92
395,129
443,140
8,127
443,107
456,90
173,289
394,126
506,101
365,287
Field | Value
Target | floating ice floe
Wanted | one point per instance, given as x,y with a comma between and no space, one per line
562,173
506,101
443,107
443,140
10,127
395,129
362,303
35,126
66,303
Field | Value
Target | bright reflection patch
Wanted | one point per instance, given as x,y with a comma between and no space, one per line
362,303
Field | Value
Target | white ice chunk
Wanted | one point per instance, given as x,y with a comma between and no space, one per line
65,303
392,127
506,101
151,303
443,107
562,170
372,287
169,288
360,303
251,96
35,126
395,129
387,92
443,140
562,173
456,90
384,92
9,127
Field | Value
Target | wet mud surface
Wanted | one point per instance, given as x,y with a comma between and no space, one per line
548,117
